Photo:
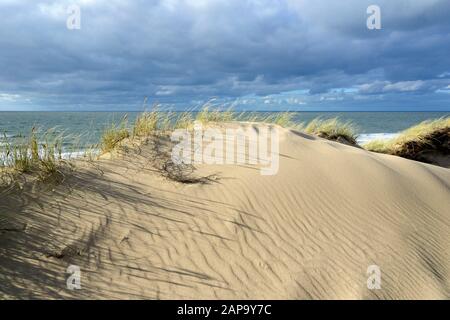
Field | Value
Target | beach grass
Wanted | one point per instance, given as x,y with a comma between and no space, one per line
283,119
114,134
207,115
425,137
145,124
183,120
43,154
332,129
30,154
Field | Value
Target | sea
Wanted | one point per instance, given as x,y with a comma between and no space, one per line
83,129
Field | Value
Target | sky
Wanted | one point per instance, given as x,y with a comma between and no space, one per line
249,55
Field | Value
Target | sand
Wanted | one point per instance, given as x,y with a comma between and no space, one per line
308,232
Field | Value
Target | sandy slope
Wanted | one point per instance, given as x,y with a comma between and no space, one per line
310,231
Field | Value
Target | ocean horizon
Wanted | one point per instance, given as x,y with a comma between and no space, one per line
88,126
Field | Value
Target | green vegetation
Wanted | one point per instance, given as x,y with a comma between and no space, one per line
42,155
145,124
115,134
332,129
431,136
183,120
283,119
206,115
27,155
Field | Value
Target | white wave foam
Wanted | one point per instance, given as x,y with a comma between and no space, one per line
64,155
367,137
77,154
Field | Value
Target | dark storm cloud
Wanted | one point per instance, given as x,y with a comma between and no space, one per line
184,51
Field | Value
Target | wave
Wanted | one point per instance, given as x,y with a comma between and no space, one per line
367,137
77,154
65,155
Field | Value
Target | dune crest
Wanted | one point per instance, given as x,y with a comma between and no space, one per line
308,232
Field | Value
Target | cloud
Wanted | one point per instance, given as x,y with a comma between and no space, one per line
178,51
418,86
9,97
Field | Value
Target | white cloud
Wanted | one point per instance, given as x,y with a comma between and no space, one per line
9,97
379,87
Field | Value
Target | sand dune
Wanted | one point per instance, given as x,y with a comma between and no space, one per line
309,232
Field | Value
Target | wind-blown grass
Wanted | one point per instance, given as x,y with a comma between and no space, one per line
283,119
332,129
431,136
183,120
207,115
114,134
27,155
43,155
145,124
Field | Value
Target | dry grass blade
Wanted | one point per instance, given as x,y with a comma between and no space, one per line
333,129
114,135
431,137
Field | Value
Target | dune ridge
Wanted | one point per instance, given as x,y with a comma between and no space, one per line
309,232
